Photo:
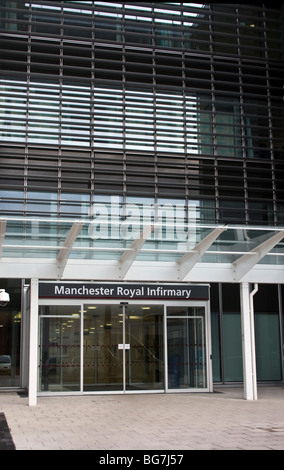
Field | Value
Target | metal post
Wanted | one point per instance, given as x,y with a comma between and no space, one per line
254,374
248,343
33,343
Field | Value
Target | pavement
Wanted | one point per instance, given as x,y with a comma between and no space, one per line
222,420
6,441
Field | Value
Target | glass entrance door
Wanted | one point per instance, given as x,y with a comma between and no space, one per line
123,348
59,349
102,350
187,352
144,352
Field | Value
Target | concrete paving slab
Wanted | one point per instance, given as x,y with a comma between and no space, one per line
169,422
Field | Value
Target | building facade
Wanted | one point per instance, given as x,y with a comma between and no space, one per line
141,196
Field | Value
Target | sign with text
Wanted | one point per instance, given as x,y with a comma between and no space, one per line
123,291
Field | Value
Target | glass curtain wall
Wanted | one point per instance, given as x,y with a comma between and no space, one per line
268,334
181,112
10,336
226,333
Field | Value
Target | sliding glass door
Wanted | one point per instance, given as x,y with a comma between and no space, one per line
144,353
123,348
187,352
102,348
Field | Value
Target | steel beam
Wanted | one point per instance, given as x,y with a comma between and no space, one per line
127,259
244,264
64,253
189,260
3,225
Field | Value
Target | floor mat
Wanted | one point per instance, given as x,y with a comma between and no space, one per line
6,441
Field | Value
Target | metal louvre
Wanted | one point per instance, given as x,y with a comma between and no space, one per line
158,100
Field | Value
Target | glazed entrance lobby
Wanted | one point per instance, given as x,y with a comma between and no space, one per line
206,316
123,346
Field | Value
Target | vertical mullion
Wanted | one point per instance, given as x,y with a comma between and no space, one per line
28,78
243,126
214,127
123,350
60,123
166,350
281,324
82,348
270,125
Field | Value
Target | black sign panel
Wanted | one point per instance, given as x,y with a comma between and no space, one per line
123,291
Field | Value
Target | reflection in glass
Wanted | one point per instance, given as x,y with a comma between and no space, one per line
103,360
10,336
103,348
59,354
10,332
187,364
144,358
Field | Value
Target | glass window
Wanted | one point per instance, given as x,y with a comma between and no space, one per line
278,126
228,128
39,203
232,334
13,109
257,129
74,311
274,31
232,211
267,333
10,335
75,204
11,202
251,32
185,311
215,333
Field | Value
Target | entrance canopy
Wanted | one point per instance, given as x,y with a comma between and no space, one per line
128,250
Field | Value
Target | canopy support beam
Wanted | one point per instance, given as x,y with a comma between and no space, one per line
64,253
3,225
127,259
189,260
244,264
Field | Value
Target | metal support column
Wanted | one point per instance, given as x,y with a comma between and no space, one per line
33,343
248,342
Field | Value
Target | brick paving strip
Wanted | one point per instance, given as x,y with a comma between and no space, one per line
6,441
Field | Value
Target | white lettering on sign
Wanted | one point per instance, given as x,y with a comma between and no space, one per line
163,292
128,292
120,291
124,291
84,291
